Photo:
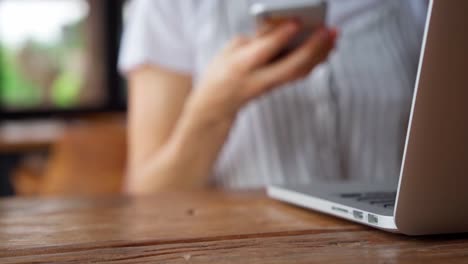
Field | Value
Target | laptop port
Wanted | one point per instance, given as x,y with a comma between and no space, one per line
358,215
372,219
338,209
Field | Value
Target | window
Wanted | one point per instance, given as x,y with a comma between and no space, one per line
58,55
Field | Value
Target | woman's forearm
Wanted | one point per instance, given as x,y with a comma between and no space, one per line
187,158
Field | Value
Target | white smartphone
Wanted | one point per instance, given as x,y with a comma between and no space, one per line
310,13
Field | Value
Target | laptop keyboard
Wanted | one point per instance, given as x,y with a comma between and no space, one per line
384,199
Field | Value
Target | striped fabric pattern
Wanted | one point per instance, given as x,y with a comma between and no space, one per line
347,120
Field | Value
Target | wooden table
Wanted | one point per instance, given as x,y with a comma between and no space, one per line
201,228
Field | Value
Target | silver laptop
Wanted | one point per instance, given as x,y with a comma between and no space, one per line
432,194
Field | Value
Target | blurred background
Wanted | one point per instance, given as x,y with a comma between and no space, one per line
61,97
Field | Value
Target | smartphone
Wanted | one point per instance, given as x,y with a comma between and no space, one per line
310,13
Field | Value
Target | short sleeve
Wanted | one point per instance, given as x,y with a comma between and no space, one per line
156,33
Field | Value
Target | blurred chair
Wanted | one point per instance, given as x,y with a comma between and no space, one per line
88,160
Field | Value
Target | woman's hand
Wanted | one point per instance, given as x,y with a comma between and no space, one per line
245,69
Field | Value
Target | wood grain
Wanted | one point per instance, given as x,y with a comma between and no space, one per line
201,227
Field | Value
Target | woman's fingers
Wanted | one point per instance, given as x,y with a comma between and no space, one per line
248,59
297,64
235,44
265,28
264,48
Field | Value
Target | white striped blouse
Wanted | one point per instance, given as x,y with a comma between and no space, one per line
346,120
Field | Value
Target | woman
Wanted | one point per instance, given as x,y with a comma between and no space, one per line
207,106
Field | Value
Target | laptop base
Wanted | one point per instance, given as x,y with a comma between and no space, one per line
351,201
